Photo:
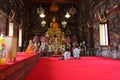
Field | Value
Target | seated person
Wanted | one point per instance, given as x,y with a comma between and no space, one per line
67,54
30,48
76,53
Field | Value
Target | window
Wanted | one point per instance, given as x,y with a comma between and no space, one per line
103,28
20,37
10,28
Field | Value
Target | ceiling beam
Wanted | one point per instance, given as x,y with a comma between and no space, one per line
56,1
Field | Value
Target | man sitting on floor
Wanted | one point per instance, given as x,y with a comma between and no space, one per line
67,54
76,53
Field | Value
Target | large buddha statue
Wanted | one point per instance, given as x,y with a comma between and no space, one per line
54,28
54,24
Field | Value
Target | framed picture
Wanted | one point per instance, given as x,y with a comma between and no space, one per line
102,17
68,32
11,15
88,24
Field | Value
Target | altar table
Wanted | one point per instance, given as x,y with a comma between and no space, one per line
19,69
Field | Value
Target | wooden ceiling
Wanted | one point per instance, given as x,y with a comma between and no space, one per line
56,1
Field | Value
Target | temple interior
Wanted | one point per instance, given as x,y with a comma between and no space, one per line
46,28
73,18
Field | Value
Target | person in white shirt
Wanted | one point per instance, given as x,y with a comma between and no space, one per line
67,54
76,53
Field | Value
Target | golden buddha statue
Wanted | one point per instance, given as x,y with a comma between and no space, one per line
54,24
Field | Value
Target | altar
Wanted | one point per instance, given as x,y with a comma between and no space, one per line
56,36
19,69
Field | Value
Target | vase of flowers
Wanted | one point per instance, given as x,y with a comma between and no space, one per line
45,39
74,38
2,52
68,40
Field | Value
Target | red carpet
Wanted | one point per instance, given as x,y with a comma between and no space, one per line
87,68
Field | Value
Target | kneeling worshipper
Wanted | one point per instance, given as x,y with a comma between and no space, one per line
76,53
67,54
30,48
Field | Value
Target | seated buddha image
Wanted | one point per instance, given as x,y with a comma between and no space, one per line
54,24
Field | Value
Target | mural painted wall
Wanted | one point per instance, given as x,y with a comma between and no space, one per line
114,29
3,20
112,13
